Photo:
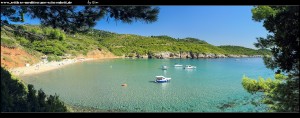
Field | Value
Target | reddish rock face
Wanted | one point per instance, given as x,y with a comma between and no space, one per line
16,57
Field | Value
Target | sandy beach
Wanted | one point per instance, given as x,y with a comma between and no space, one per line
45,66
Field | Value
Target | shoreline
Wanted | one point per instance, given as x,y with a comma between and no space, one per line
48,66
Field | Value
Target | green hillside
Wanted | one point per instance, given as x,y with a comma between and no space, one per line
237,50
126,44
56,43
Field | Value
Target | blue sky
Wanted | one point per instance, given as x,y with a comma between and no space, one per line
218,25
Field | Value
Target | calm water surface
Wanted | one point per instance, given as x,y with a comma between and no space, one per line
97,84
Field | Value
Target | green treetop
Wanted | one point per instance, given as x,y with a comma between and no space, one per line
282,22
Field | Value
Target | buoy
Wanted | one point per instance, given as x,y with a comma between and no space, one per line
124,85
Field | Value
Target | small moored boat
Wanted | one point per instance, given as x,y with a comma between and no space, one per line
177,65
164,67
161,79
189,67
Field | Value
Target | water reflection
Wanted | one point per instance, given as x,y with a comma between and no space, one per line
190,70
164,85
165,72
177,67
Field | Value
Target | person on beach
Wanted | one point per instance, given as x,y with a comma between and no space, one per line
37,66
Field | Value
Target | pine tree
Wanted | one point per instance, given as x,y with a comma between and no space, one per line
281,94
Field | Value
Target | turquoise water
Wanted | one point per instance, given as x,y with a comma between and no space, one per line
97,84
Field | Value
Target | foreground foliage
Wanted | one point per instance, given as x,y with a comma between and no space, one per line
15,97
282,93
78,18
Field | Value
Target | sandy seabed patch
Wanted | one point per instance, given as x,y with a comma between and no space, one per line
47,66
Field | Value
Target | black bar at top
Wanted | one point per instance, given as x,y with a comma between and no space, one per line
151,2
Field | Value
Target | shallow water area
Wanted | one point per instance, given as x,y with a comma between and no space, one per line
97,84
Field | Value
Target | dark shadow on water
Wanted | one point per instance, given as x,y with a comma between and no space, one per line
152,81
162,69
157,82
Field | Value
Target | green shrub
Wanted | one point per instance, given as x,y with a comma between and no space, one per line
84,52
33,31
24,42
62,36
54,34
16,97
53,58
130,55
49,47
10,43
21,27
73,52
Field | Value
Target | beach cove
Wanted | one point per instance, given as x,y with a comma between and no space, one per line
44,65
96,84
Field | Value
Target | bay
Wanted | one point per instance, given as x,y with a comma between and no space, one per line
97,84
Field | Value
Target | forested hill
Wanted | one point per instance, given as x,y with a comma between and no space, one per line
56,43
237,50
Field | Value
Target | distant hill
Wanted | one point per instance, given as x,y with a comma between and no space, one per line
38,40
238,50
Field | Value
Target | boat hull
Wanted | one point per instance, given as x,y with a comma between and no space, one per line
164,67
163,81
177,65
189,68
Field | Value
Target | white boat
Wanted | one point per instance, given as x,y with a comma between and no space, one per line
164,67
177,65
161,79
189,67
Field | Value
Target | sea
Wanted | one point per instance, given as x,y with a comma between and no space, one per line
215,85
